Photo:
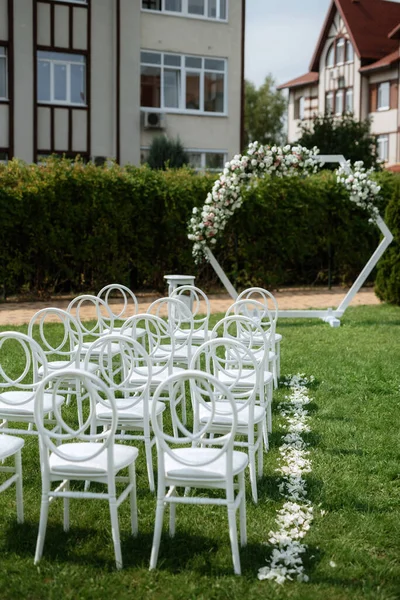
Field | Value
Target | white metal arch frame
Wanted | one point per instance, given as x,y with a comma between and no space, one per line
329,315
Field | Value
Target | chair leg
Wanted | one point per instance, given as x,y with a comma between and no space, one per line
253,475
242,511
133,500
115,531
18,484
66,509
149,463
260,451
44,513
172,517
233,539
278,359
157,532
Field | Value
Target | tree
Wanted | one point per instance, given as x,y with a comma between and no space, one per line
265,110
166,153
342,135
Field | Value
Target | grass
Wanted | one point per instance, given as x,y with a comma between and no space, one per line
355,451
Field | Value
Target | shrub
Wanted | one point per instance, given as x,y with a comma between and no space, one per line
70,227
165,153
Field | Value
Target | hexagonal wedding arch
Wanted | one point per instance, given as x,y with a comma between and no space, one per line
209,222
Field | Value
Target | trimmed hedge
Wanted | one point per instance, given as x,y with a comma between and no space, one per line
69,227
388,270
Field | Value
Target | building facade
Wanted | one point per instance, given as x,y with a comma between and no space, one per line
355,69
102,77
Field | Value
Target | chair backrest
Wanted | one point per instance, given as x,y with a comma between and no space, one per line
258,313
20,359
61,344
205,390
198,303
154,336
179,318
248,332
229,360
92,314
264,297
120,358
70,428
121,301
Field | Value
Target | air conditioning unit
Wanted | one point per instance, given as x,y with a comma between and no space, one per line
153,120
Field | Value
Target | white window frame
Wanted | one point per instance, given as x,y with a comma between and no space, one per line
383,147
330,56
346,45
67,64
379,102
185,11
182,96
4,60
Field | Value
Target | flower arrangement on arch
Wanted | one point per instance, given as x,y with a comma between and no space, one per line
207,223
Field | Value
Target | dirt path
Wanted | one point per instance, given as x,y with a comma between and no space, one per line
18,313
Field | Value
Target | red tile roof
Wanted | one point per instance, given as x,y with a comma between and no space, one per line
386,61
368,23
308,78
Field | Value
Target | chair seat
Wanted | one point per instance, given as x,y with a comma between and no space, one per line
9,445
123,456
140,332
22,403
86,346
248,380
214,470
223,415
131,413
57,365
156,378
198,337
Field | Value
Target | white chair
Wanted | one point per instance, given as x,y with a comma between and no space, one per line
61,345
236,367
20,359
179,319
185,460
270,302
11,446
79,453
94,317
156,339
261,317
121,301
199,305
118,370
252,335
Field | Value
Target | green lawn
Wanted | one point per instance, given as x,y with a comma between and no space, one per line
355,451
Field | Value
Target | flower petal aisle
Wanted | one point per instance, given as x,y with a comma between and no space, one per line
295,517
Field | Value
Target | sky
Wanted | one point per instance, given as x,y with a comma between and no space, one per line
281,36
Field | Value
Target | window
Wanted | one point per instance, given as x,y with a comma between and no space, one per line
349,100
349,51
383,147
329,103
299,108
330,57
206,9
339,102
206,160
3,73
3,157
61,78
340,51
383,96
182,83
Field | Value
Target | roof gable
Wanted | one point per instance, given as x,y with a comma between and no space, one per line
368,23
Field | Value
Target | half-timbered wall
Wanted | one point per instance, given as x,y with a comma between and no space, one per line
62,27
